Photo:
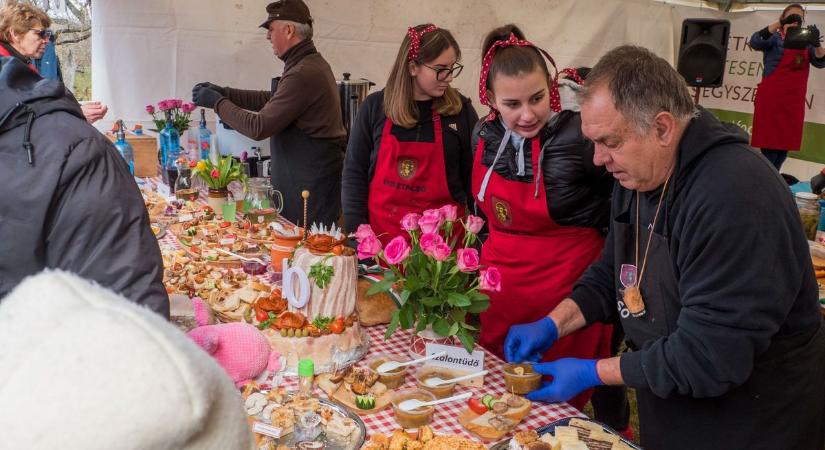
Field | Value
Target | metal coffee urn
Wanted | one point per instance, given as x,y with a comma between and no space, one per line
353,93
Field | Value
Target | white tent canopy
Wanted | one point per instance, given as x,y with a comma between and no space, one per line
153,49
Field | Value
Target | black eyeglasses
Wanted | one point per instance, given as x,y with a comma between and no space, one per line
44,33
441,74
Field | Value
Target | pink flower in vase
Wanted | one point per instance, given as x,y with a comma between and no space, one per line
441,252
449,212
430,221
150,109
176,103
490,279
364,231
410,221
397,250
368,247
473,224
467,259
429,241
188,107
165,105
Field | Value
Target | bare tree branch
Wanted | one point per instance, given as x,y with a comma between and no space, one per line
74,39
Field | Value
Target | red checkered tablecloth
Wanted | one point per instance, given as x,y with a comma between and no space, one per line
445,420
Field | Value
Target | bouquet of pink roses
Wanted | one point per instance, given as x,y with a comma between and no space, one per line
438,284
179,110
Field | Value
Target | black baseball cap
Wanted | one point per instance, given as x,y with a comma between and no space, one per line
292,10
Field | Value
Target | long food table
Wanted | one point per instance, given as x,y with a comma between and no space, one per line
445,419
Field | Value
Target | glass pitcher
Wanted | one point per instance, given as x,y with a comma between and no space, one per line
262,203
185,188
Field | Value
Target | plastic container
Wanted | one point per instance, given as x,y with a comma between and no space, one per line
417,417
393,379
809,211
306,376
520,378
440,391
283,247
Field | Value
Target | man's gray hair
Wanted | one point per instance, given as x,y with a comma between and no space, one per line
642,85
303,30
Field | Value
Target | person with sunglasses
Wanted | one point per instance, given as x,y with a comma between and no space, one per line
25,34
409,148
547,204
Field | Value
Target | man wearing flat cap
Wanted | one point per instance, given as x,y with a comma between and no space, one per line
301,115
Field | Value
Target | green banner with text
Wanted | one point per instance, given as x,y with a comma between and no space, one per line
813,135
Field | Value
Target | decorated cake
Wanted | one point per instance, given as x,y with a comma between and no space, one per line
317,317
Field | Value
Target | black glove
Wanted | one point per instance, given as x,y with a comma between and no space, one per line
815,39
793,18
220,89
205,97
818,183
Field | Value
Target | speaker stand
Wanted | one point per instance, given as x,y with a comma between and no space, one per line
697,95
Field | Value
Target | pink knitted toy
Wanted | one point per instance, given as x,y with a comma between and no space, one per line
240,348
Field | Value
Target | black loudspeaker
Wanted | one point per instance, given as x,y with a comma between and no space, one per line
702,51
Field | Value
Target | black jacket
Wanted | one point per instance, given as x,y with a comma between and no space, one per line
365,140
741,262
577,191
68,199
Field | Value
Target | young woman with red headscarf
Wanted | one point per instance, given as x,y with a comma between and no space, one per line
409,149
546,203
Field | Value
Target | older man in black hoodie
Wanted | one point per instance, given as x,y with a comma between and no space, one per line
707,268
68,201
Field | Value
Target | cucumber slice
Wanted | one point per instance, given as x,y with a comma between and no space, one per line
487,401
365,401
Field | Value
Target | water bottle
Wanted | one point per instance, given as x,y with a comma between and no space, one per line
124,148
170,150
204,137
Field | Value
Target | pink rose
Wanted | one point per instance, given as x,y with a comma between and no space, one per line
410,221
364,231
165,105
428,242
177,103
441,252
490,279
430,221
368,247
397,250
474,224
467,259
188,107
150,109
449,212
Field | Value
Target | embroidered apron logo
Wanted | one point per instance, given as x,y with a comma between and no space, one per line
502,210
407,168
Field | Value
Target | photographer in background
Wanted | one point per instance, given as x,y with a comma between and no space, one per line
779,110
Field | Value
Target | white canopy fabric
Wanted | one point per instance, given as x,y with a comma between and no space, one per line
154,49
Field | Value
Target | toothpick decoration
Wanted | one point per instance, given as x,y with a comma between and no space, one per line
305,195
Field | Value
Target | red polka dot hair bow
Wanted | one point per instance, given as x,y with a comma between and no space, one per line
555,100
415,40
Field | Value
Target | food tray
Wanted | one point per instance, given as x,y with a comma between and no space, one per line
551,427
330,443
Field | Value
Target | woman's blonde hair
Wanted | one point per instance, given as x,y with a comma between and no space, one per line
20,18
399,98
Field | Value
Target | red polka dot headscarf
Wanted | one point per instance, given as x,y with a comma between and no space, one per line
555,99
415,40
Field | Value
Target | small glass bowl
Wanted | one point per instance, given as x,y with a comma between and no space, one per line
253,267
528,381
415,418
440,391
393,379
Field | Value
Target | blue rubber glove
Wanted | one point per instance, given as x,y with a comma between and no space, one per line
570,377
527,342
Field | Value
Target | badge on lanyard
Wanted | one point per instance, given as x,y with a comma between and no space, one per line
628,275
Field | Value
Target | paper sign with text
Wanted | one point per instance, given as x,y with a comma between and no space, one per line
458,361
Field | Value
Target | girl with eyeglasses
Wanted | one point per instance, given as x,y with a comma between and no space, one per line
546,203
409,148
24,32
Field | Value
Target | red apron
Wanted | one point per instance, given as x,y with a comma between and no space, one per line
6,54
409,177
779,110
539,262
